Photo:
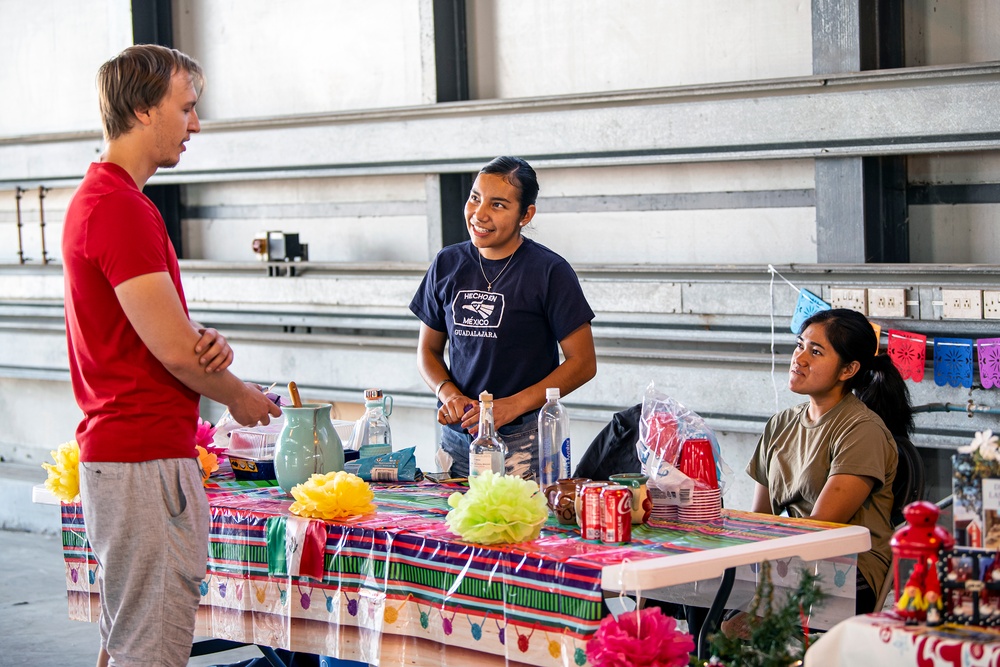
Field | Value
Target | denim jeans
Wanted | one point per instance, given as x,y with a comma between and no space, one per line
522,447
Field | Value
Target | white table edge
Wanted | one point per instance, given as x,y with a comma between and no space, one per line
711,563
42,496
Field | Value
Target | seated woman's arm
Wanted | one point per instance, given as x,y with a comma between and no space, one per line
761,500
841,498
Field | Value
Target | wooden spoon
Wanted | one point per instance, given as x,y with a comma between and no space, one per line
293,391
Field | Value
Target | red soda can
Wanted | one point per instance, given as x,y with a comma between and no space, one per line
590,510
616,514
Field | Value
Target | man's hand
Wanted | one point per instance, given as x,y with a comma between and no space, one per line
214,350
252,407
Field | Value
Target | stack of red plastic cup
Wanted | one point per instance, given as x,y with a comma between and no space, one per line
698,463
662,509
662,437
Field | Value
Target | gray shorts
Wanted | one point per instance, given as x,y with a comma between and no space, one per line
148,526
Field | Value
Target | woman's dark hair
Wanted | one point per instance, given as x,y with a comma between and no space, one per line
877,383
518,173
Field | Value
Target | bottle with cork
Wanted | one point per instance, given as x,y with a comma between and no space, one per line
376,436
488,451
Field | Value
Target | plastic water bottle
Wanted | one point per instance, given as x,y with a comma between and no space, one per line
379,435
488,451
553,440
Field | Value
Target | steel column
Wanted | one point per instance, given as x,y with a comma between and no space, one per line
861,212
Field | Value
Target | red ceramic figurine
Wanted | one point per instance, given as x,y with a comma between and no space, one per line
915,549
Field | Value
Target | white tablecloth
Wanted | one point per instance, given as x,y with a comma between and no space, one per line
882,640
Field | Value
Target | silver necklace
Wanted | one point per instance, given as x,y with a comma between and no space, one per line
489,283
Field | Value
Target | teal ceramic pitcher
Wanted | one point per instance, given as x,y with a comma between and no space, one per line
307,444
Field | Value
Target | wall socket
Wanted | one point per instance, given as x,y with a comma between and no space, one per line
991,305
887,303
961,304
855,299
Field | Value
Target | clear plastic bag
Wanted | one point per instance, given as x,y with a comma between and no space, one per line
227,424
664,426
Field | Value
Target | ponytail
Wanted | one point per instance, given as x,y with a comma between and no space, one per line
877,383
884,391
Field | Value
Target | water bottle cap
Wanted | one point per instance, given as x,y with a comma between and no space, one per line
373,394
552,393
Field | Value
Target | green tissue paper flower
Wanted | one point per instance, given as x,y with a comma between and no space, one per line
497,509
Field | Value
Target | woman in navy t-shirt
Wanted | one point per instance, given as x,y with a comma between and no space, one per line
504,305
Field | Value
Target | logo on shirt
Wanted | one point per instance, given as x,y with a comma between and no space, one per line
477,310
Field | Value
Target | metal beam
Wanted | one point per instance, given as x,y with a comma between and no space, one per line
962,193
452,63
693,329
836,33
861,213
152,23
918,110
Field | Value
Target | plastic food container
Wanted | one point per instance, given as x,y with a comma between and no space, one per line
251,452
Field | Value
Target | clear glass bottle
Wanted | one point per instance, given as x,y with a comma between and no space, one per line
378,440
553,440
488,451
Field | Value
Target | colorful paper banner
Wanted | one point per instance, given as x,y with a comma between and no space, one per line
808,305
953,362
989,362
908,352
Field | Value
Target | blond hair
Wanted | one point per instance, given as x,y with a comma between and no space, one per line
138,79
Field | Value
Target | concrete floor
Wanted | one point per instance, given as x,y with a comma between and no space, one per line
35,630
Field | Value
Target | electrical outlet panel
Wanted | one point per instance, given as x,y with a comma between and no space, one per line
991,305
887,303
855,299
962,304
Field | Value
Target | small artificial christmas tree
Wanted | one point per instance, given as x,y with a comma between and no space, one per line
778,636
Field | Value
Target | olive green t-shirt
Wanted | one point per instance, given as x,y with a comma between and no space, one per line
795,457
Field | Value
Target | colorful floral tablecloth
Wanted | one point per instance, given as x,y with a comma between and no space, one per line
400,575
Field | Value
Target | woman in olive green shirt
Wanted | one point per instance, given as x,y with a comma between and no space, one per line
834,457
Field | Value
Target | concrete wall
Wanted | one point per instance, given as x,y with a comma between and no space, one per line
672,248
309,56
51,52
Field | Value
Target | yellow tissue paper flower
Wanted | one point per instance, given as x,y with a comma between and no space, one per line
209,462
497,509
64,476
335,495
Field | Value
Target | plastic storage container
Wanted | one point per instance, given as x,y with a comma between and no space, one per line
251,452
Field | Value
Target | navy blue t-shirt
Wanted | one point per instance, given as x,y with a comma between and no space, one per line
508,339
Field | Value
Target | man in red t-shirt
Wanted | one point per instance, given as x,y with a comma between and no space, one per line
138,366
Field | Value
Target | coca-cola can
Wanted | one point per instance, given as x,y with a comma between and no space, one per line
616,514
589,516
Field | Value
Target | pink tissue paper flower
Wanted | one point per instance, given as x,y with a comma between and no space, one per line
646,639
204,436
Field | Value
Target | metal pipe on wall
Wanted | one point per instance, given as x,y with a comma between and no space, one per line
969,408
41,219
20,246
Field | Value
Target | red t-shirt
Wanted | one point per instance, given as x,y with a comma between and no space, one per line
134,409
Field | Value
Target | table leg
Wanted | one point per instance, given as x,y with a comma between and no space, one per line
209,646
271,656
715,612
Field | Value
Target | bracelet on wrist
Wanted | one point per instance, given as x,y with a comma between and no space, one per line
440,384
